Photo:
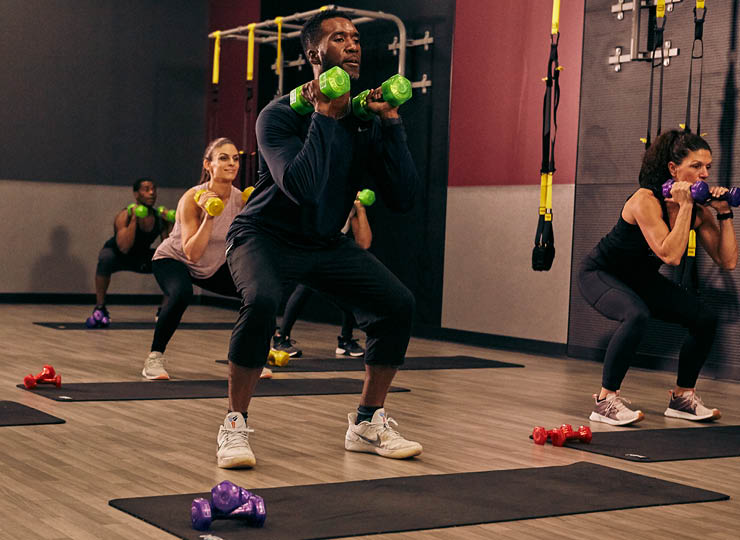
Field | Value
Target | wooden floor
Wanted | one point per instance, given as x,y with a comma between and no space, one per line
56,480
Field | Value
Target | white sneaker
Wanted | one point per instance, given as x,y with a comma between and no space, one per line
378,437
154,367
612,410
233,443
689,406
266,373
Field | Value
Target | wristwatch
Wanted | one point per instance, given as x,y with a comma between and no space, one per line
728,215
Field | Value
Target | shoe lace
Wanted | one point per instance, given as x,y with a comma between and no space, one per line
618,403
155,362
694,399
236,437
388,431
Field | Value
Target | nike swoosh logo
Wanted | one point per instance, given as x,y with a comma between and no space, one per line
375,442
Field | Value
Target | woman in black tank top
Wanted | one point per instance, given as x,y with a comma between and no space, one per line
620,277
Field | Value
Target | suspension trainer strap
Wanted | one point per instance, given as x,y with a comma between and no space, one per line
250,52
216,56
543,253
658,31
687,274
697,53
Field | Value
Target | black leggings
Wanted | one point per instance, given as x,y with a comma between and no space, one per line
344,272
651,295
177,285
295,304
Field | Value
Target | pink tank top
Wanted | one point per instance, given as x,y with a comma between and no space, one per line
215,254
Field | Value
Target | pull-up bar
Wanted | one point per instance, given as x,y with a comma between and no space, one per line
280,28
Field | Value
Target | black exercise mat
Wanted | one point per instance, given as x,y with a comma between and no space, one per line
137,390
426,502
411,363
17,414
650,445
137,325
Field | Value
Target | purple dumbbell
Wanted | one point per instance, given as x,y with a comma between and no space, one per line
255,512
201,514
732,196
699,190
228,501
226,496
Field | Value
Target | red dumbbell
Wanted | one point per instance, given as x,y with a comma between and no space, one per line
583,434
541,435
47,376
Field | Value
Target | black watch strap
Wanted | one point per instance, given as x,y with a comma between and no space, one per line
728,215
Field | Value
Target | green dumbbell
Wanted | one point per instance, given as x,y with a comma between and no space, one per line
366,197
139,210
333,83
396,91
167,215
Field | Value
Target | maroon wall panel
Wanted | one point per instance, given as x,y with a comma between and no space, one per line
226,106
500,55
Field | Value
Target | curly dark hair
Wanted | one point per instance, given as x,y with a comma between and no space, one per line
673,146
311,31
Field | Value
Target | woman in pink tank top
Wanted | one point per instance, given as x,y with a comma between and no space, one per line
194,253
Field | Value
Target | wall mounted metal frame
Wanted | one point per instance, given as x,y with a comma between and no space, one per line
266,32
635,54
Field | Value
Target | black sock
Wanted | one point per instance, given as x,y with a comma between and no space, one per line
365,412
244,414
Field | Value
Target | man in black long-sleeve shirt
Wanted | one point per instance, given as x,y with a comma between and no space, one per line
310,167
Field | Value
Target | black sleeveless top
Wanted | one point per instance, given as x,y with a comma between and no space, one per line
143,239
624,250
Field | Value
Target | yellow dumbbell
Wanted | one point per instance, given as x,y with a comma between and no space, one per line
247,193
278,358
214,206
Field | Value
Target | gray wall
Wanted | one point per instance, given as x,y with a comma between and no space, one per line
489,284
56,231
96,93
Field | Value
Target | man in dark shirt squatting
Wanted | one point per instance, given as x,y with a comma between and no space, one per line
310,168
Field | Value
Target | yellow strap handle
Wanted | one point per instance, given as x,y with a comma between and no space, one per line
250,52
216,55
660,9
278,62
543,193
692,243
699,4
548,199
555,16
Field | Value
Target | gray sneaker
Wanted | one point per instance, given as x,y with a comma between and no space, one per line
612,410
689,406
154,367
